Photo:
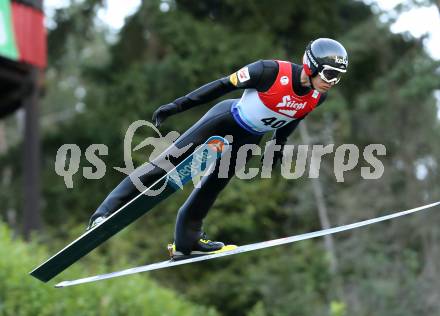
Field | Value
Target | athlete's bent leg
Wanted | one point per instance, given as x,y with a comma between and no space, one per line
190,217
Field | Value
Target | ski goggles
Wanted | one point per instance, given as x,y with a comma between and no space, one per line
331,74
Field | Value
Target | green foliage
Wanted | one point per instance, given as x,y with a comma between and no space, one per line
337,309
20,294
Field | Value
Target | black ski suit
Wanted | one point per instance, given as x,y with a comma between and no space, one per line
219,120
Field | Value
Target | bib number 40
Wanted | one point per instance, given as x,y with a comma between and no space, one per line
273,122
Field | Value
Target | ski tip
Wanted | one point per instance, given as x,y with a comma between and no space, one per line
36,274
60,285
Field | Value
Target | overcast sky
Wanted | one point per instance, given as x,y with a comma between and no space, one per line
416,21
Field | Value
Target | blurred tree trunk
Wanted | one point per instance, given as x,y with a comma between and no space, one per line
6,176
31,211
318,193
3,144
321,204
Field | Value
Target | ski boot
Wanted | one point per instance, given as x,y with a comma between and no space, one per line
202,247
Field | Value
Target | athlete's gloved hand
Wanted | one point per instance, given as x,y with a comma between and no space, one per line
277,155
163,112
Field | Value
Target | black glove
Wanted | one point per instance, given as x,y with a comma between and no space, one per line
277,155
163,112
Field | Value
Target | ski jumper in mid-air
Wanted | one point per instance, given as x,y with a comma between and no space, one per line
277,96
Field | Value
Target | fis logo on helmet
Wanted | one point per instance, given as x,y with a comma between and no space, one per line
309,55
341,60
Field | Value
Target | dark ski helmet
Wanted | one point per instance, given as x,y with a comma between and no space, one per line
326,57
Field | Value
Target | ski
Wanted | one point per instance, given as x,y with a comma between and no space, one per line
200,160
242,249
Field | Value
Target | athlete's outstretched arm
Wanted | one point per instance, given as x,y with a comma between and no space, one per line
246,78
206,93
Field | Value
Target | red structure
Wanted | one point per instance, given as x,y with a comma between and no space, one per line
30,34
23,57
